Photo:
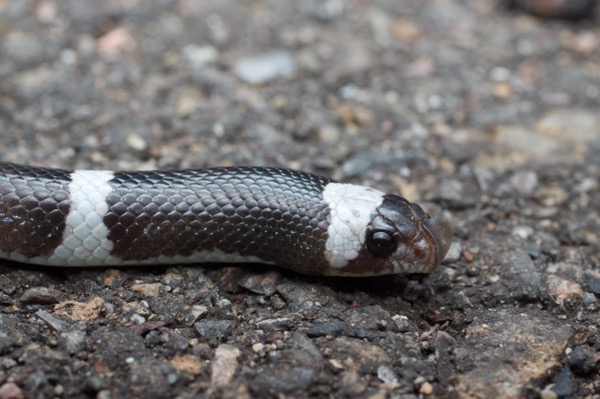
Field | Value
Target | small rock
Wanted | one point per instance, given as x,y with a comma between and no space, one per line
224,365
40,296
264,284
282,323
137,319
257,347
194,313
426,388
525,182
552,196
351,383
223,303
213,330
564,385
5,299
456,194
454,252
55,323
325,11
189,364
522,232
548,393
199,56
152,289
520,278
387,375
285,381
115,278
366,356
263,68
561,290
589,299
89,310
136,142
334,328
8,363
369,159
115,43
10,390
583,360
75,338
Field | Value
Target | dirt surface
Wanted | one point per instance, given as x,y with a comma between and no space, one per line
485,115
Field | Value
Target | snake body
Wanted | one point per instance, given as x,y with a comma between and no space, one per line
304,222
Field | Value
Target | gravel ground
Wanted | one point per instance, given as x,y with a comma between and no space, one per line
486,115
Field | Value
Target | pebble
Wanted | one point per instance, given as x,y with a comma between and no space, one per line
525,182
199,56
287,381
583,360
592,283
40,296
365,356
523,232
262,68
10,390
194,313
115,345
189,364
137,319
456,194
75,338
366,160
89,310
224,365
351,383
454,252
151,289
223,303
426,388
589,299
55,323
564,385
263,284
136,142
548,393
257,347
520,277
333,327
213,330
387,375
561,290
5,299
8,363
282,323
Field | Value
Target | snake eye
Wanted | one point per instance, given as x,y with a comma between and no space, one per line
381,244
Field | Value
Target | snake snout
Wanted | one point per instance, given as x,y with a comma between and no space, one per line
441,233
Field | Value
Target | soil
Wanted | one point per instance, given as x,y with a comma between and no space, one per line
483,114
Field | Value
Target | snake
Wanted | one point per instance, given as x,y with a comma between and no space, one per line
297,220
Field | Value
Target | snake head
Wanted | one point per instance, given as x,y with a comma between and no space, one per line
407,239
372,233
